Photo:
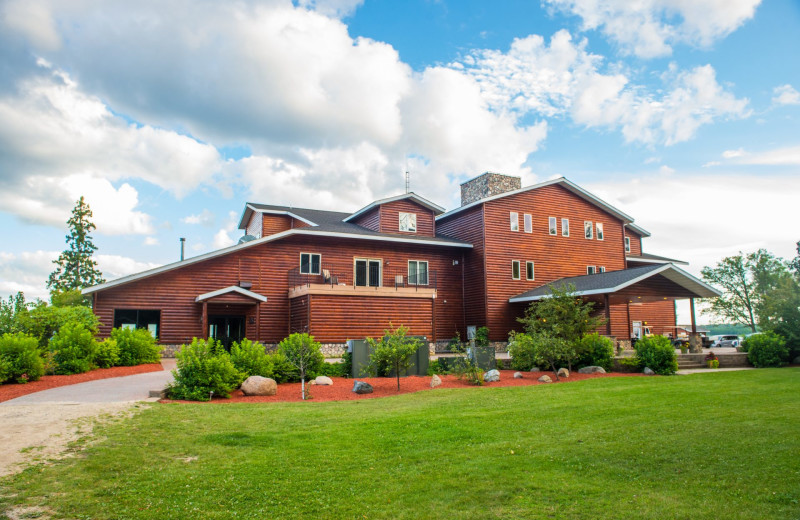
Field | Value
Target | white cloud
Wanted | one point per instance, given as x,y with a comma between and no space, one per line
334,8
649,28
116,266
150,241
223,237
28,272
205,218
785,95
789,156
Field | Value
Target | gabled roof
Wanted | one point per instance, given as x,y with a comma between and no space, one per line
646,258
613,281
309,216
230,289
411,196
566,183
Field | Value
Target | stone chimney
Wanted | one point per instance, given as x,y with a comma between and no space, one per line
487,185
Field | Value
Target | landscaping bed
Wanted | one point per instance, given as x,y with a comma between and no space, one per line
11,391
341,390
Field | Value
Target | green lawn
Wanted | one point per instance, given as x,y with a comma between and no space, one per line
721,445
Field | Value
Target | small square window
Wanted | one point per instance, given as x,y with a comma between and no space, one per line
587,229
514,221
515,269
551,224
599,227
564,227
601,269
529,274
627,244
528,223
590,269
310,263
408,222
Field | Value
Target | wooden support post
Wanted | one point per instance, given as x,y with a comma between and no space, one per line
258,321
205,321
608,314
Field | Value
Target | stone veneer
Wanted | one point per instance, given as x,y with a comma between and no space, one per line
487,185
329,350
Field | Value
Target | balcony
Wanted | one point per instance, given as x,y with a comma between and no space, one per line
372,282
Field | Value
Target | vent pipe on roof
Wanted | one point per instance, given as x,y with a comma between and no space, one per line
183,241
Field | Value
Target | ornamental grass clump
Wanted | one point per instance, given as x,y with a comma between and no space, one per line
657,354
204,370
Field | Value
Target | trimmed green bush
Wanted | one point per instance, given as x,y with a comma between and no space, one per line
766,350
522,351
20,361
251,359
657,354
282,370
43,321
73,348
203,369
332,370
136,346
107,353
595,350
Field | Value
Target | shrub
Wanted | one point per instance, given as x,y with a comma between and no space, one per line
332,370
251,359
19,358
283,371
522,351
203,369
44,321
347,363
766,350
595,350
107,353
658,354
136,346
304,353
394,350
436,367
73,348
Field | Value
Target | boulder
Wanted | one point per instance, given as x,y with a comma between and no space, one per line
491,376
563,372
545,379
594,369
648,371
535,369
323,381
517,375
360,387
435,381
257,385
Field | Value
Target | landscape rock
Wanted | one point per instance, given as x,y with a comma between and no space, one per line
545,379
563,372
491,376
594,369
535,369
648,372
257,385
360,387
435,381
517,375
323,381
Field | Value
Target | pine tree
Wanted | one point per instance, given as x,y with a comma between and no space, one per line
76,268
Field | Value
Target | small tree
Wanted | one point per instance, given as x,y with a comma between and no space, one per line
76,268
10,312
394,350
303,353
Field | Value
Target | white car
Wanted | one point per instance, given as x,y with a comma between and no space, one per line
725,340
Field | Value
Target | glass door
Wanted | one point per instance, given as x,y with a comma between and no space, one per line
367,272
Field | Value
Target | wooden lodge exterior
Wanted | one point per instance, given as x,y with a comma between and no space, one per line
405,261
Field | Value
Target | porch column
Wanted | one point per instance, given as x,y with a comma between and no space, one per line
204,334
608,314
694,324
695,343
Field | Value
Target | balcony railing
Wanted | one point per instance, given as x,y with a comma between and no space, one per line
387,279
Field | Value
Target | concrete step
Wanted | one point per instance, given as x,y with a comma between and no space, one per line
688,366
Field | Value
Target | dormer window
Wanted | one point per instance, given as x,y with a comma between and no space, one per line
408,222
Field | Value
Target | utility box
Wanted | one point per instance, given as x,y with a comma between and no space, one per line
483,357
362,352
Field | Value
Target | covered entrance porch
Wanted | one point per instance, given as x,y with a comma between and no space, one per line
231,314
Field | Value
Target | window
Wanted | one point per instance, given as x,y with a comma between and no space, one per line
599,227
514,221
590,269
515,269
408,222
551,224
529,270
528,223
367,272
627,244
601,269
149,319
310,263
417,272
564,227
587,229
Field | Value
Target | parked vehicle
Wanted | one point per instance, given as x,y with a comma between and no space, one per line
725,340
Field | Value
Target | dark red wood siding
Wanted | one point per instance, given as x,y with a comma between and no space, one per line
390,218
370,219
636,242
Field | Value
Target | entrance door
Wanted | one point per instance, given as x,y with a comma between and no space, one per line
637,329
226,329
368,273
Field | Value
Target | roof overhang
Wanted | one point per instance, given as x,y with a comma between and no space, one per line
668,271
264,240
637,229
231,289
412,196
652,259
249,209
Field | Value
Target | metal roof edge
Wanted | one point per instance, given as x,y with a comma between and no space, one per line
421,200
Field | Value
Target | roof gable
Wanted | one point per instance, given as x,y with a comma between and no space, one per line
425,203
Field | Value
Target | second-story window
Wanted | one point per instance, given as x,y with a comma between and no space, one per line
601,269
408,222
417,272
551,225
528,220
529,274
590,269
587,229
310,263
564,227
627,244
515,269
514,216
599,227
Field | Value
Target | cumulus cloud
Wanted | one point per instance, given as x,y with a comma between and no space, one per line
116,266
649,28
785,95
225,236
788,156
204,218
27,271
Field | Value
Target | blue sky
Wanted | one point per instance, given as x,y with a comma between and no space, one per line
169,117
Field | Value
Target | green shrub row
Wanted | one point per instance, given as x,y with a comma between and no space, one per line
540,350
766,350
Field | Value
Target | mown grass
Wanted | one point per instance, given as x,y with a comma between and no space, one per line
723,445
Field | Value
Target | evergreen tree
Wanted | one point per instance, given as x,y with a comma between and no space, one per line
76,268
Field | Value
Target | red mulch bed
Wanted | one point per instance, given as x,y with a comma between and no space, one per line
12,391
341,390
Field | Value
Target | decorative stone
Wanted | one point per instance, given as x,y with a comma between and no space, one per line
491,376
594,369
563,372
517,375
648,371
257,385
435,381
323,381
545,379
360,387
535,369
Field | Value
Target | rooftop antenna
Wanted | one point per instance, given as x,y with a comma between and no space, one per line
183,242
408,179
